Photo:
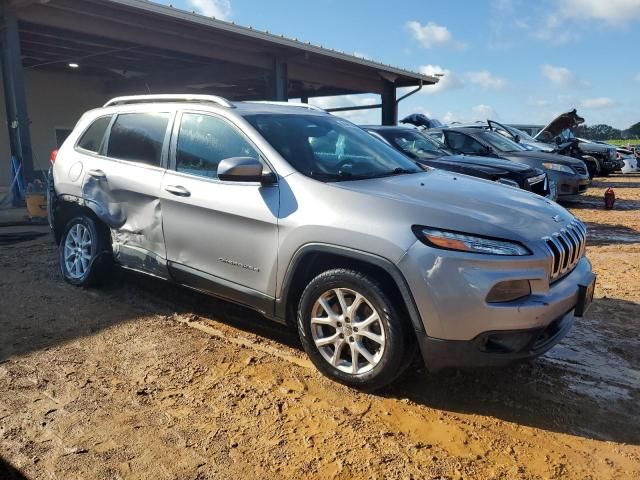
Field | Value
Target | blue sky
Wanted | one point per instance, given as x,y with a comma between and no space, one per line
517,61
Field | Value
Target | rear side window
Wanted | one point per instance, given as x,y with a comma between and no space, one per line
92,138
138,137
464,143
204,141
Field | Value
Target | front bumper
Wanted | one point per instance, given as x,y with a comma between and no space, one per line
494,348
462,329
569,184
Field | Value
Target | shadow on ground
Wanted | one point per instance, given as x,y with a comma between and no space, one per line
592,202
9,472
608,234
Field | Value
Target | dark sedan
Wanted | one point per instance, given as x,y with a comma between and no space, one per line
569,174
430,152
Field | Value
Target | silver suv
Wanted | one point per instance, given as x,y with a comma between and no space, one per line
310,220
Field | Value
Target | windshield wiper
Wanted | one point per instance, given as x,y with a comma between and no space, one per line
395,171
340,176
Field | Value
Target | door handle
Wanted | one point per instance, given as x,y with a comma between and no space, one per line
99,174
178,190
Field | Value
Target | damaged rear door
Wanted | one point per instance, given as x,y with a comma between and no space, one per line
122,186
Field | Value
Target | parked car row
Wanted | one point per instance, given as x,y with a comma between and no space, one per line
568,176
349,236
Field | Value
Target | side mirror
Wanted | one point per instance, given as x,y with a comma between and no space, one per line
558,140
488,150
517,138
242,169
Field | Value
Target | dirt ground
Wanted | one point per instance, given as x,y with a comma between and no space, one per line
147,380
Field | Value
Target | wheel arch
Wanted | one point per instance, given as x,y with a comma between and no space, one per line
66,207
313,259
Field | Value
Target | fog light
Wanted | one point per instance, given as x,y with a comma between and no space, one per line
509,291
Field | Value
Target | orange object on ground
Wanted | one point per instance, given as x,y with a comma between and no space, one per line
37,205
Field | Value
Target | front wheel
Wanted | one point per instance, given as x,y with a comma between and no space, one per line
81,248
351,330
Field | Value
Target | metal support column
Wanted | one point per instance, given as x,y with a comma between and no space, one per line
280,81
389,104
15,94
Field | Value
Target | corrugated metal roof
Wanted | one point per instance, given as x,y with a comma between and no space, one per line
249,32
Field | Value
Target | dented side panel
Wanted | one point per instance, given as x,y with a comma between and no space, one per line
126,197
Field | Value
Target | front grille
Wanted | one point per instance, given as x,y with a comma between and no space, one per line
566,248
539,184
580,169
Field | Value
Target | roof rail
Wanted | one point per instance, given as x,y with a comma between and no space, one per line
289,104
169,98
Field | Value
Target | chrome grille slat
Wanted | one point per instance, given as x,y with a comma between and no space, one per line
565,248
575,244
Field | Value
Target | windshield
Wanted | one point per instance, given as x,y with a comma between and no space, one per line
329,148
501,143
414,143
521,134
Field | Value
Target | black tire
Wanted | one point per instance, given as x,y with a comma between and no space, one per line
99,253
399,341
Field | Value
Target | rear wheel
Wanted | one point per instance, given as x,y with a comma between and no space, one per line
81,251
351,330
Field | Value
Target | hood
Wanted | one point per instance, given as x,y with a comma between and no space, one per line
588,146
458,202
568,120
537,146
487,164
531,156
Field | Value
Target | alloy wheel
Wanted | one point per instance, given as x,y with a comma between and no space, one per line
347,330
77,251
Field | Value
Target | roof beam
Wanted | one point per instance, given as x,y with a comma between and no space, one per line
178,79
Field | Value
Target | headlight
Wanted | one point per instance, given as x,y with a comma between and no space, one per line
509,182
612,154
557,167
463,242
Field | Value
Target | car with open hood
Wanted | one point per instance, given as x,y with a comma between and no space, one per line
560,133
430,152
316,224
569,174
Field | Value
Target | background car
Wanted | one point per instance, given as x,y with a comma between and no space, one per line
569,148
433,153
560,133
569,174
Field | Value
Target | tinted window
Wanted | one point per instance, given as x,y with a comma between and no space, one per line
204,141
329,148
138,137
464,143
501,143
92,138
415,144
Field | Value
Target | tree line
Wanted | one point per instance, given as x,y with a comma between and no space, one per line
607,132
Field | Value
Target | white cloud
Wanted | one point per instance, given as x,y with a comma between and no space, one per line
539,103
562,77
220,9
609,11
432,34
448,79
362,55
362,117
486,79
485,112
601,102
